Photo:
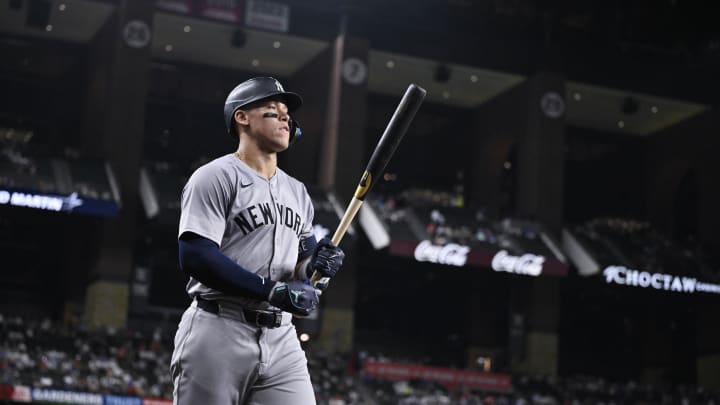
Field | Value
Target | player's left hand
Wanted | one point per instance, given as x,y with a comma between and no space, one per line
327,258
295,297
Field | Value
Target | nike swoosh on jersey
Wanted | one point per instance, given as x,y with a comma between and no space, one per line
245,185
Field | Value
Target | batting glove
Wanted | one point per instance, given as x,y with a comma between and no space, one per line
295,297
327,259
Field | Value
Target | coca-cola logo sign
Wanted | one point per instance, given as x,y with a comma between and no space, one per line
527,264
451,254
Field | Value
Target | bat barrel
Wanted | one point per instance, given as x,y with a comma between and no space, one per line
393,134
397,127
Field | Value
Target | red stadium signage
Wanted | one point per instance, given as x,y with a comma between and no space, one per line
6,392
460,256
224,10
21,393
446,376
151,401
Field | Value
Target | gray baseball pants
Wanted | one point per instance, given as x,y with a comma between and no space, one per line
223,360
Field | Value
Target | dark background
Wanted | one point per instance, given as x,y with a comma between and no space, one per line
667,49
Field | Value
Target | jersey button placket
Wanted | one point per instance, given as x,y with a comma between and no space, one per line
276,234
273,198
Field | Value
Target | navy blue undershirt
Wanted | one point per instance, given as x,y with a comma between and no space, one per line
201,259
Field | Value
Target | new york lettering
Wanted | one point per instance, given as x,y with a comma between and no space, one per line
255,216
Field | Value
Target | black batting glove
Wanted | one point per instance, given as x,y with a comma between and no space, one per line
327,259
295,297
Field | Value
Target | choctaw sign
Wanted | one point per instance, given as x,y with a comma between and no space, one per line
657,281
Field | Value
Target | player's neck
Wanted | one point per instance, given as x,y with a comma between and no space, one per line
263,163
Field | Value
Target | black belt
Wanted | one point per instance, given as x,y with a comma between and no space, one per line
259,318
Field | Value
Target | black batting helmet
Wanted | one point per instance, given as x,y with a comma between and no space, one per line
260,88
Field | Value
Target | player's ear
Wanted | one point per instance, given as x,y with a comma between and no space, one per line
241,117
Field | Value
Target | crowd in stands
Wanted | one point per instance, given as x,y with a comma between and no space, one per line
46,355
334,379
38,168
636,244
443,217
124,362
576,390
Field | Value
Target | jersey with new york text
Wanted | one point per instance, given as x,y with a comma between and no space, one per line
256,222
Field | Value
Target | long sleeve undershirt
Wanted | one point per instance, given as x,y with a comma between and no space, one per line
201,258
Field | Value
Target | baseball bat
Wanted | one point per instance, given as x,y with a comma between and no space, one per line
394,132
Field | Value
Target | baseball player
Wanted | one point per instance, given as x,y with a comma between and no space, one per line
246,241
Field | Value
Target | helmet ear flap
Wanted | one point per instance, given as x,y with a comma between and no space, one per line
295,131
230,121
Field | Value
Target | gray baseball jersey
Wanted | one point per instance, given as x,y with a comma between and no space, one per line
256,222
220,358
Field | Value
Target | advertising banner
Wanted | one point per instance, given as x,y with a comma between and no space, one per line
121,400
71,203
16,393
66,397
21,393
657,281
223,10
458,236
6,391
155,401
446,376
453,254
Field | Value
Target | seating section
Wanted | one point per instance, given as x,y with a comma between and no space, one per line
442,217
45,354
637,245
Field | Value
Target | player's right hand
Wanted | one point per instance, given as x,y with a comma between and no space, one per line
295,297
